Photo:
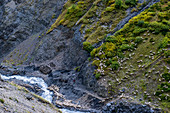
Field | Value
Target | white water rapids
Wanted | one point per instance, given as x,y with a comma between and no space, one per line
40,82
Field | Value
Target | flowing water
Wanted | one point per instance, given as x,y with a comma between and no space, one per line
41,83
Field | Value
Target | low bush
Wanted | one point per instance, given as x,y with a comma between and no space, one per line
115,65
166,76
164,43
138,30
159,27
2,100
130,2
140,23
124,47
111,39
109,9
138,39
97,75
87,46
118,4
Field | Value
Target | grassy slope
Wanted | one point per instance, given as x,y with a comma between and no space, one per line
96,17
136,57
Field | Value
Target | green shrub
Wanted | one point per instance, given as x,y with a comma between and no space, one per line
109,54
166,76
109,9
138,39
2,100
115,65
87,46
118,4
138,30
164,43
140,23
97,75
130,2
111,39
124,47
159,27
93,52
73,12
120,55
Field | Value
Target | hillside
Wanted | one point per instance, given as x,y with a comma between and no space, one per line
91,53
14,98
135,59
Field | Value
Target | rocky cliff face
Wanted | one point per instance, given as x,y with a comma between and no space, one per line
22,19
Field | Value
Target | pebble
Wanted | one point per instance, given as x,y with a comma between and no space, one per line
141,55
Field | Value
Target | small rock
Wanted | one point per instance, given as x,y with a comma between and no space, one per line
29,97
146,75
52,64
151,54
139,66
140,99
141,55
45,69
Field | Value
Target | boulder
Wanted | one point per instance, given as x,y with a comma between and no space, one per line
45,69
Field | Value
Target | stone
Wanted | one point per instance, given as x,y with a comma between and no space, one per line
141,55
45,69
140,99
123,90
29,97
139,66
52,64
146,75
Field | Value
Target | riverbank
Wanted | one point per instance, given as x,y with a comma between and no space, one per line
38,86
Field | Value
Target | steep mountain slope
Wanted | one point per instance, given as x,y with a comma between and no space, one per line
135,60
95,51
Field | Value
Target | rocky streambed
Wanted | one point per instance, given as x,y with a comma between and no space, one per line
46,93
72,98
64,92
